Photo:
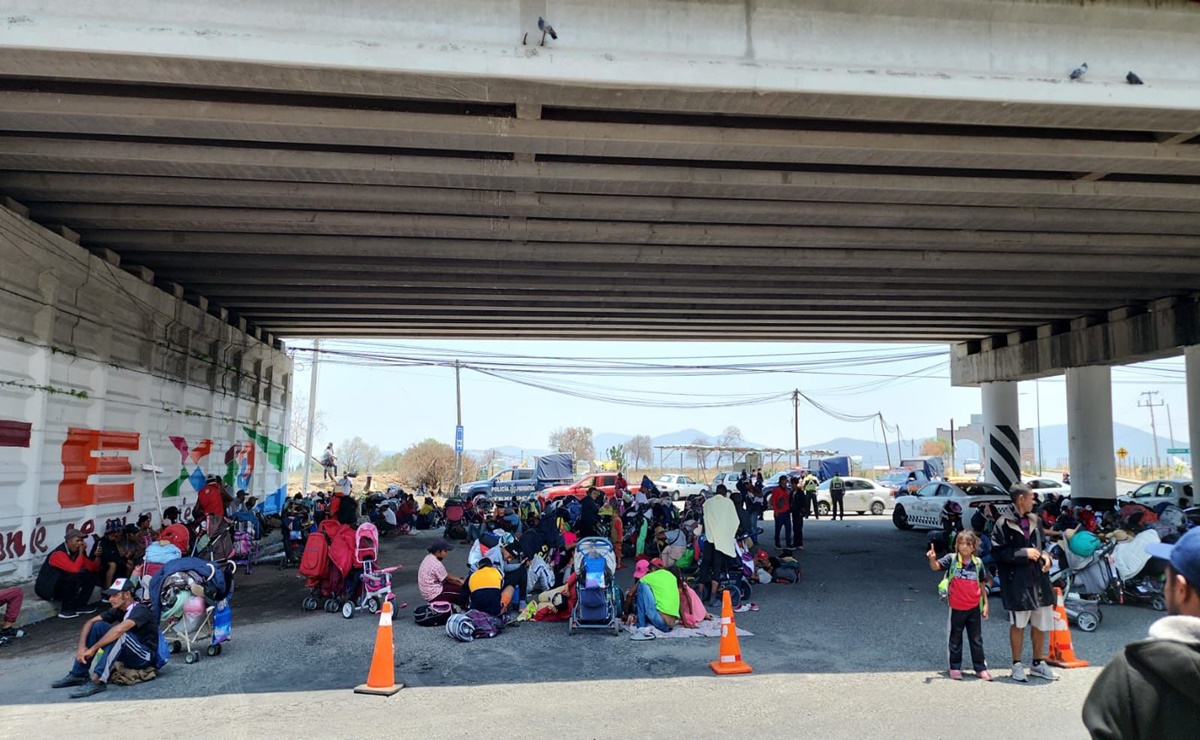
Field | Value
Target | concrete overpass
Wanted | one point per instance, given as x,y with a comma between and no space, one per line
753,169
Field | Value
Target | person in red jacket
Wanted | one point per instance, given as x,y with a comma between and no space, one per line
70,577
211,500
782,508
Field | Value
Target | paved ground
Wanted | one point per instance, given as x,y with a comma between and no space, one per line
856,647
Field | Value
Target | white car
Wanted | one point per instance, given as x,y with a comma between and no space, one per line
862,495
680,486
1180,492
1042,486
923,510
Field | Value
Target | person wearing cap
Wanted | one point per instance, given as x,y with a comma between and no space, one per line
433,580
127,632
68,576
1019,547
656,599
115,552
1151,689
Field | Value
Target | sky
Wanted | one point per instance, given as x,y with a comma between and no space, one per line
396,406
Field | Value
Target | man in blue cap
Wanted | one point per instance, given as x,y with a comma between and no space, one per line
1152,688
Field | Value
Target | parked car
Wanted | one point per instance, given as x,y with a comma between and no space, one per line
862,495
903,481
729,478
681,486
1156,492
923,510
606,482
1042,486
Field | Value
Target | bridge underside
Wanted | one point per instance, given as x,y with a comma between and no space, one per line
326,202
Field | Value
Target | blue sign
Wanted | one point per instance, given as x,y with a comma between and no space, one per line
458,438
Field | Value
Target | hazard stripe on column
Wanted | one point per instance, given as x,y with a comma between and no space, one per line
1004,449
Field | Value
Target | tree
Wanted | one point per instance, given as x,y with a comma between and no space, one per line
429,463
575,440
616,453
355,455
489,457
700,455
298,430
639,450
731,437
935,447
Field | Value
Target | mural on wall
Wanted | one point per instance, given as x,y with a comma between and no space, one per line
88,454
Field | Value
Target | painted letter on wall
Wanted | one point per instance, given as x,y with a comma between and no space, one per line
80,462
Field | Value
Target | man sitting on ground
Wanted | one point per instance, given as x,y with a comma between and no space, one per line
11,598
433,580
69,576
657,600
487,591
127,633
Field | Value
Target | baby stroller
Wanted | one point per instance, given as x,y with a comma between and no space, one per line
597,604
734,579
376,587
294,528
214,540
456,514
173,591
1085,582
328,568
245,544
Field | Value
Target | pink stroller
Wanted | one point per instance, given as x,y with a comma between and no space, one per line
376,582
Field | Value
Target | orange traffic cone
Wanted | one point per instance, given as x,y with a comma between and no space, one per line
729,662
381,681
1062,652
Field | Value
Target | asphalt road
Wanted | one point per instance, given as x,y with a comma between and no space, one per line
856,648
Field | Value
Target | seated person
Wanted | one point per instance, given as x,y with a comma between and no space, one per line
433,580
68,576
388,522
112,552
425,514
487,591
656,600
11,598
127,632
170,516
407,514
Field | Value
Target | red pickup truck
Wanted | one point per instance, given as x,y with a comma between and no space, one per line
606,482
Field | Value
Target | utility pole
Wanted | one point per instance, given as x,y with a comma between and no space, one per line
1170,426
883,426
312,414
458,429
899,439
1149,404
796,422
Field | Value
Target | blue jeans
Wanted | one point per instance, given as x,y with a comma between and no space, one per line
127,649
647,610
753,517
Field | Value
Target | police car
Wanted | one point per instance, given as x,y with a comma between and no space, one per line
923,510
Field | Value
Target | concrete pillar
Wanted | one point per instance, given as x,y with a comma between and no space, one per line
1192,361
1001,425
1090,432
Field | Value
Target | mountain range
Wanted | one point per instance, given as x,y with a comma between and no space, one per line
1054,445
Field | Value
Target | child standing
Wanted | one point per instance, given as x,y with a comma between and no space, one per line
966,579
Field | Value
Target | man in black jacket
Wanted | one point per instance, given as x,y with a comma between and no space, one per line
1152,688
1019,548
589,513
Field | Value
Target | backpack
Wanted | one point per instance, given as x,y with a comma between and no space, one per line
434,614
574,510
314,562
485,624
944,586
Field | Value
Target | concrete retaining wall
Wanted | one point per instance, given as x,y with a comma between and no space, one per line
117,398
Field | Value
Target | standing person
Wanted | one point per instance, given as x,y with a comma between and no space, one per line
589,513
69,576
720,529
811,484
1151,689
754,506
1019,547
968,601
433,580
799,507
781,507
128,632
328,463
837,497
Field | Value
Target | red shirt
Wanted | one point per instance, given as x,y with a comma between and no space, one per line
210,500
780,501
964,591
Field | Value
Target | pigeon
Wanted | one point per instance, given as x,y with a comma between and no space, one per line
546,28
1079,71
1133,79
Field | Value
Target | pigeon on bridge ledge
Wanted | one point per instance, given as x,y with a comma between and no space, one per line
1079,72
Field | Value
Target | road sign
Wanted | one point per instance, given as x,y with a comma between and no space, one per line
458,438
1179,451
1122,453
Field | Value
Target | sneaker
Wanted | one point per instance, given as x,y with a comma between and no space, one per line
956,674
68,681
1043,670
984,675
67,614
87,610
90,689
643,633
12,632
1018,673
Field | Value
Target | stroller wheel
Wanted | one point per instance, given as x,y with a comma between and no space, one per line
213,651
1158,604
309,604
330,606
348,610
1087,622
176,646
191,657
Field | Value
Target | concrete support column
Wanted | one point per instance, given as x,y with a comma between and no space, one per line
1090,432
1192,362
1002,442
